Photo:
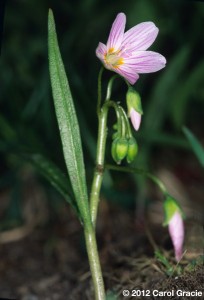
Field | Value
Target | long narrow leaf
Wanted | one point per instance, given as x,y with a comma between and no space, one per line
195,144
67,120
55,176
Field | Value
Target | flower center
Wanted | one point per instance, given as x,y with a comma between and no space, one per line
113,59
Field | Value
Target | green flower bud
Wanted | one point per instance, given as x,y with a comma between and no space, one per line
133,101
119,149
132,150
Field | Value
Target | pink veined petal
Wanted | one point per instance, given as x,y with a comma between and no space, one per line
135,119
145,61
101,51
117,32
176,231
140,37
128,73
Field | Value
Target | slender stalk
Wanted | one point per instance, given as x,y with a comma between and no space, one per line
89,227
141,172
98,174
127,124
100,156
109,88
94,261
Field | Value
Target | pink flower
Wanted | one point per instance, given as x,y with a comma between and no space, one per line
135,118
176,231
125,52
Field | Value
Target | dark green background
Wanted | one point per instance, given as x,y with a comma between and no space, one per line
171,98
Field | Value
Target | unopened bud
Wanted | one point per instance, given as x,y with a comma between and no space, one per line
132,150
134,106
174,220
119,149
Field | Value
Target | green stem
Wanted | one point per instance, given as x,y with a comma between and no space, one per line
94,261
141,172
100,154
109,88
127,124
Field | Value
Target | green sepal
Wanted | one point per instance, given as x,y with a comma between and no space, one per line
122,148
133,101
113,151
132,150
119,149
171,206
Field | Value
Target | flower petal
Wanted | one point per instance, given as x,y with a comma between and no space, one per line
101,51
140,37
135,119
176,231
117,32
145,61
128,73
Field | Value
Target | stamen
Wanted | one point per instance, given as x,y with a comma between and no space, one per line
112,59
111,50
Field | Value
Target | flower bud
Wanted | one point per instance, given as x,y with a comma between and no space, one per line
134,107
119,149
132,150
174,220
135,119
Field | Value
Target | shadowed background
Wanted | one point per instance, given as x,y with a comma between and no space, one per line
171,98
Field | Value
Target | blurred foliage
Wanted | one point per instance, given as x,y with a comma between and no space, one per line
195,145
171,98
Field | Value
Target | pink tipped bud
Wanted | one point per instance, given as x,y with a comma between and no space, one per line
176,231
134,107
174,219
135,118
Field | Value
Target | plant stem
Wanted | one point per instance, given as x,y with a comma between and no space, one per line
127,124
109,88
141,172
94,261
100,154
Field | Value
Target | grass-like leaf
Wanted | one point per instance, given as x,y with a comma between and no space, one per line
56,178
67,121
195,144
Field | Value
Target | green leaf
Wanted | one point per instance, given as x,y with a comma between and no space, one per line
161,96
184,92
195,144
55,176
67,121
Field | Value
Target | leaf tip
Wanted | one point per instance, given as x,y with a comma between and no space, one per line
50,13
51,22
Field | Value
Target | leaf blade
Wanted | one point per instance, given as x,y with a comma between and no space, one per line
67,120
195,144
55,176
